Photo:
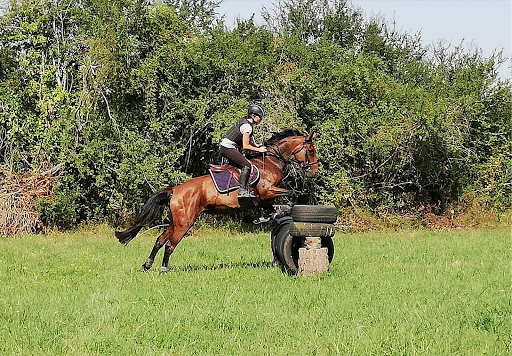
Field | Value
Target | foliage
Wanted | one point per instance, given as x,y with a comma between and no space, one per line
133,95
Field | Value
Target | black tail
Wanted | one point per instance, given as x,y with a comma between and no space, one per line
151,210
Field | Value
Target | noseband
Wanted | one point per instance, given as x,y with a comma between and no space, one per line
306,163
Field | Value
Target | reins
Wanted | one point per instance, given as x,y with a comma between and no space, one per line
279,156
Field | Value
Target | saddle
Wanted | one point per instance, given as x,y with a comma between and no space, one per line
227,178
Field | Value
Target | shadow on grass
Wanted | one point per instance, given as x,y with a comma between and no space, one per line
223,265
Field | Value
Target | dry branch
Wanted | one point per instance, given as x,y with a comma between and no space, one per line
18,193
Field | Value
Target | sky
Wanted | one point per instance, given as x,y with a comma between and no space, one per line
484,24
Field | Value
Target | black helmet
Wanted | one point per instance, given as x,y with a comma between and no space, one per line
256,109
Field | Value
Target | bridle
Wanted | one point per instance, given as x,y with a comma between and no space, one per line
305,164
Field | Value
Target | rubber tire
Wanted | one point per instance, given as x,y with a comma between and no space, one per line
303,229
285,247
315,213
275,235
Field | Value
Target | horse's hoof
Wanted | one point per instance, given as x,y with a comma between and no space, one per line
146,266
163,270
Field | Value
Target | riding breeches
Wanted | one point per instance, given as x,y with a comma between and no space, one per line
235,157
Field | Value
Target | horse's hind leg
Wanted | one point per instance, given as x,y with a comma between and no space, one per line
149,262
170,245
159,243
169,248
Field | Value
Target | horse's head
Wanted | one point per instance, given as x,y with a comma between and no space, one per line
291,143
305,153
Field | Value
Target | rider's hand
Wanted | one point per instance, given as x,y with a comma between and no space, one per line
262,149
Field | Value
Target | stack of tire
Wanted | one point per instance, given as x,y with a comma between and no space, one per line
290,232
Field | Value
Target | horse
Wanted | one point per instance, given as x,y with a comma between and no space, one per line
196,195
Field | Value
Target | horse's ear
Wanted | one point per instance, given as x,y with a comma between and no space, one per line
311,137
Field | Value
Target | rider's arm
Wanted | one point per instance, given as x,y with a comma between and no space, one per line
246,141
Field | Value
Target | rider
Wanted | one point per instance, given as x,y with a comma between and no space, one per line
239,136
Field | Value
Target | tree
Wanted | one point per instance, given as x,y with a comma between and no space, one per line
133,95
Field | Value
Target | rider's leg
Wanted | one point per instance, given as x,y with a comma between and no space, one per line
238,160
244,179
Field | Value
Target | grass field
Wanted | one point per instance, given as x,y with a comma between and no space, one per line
406,293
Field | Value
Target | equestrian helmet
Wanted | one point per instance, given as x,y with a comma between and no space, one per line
256,109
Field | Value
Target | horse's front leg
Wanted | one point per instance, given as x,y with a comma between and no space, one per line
274,192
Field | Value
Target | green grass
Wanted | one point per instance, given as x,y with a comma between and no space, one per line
406,293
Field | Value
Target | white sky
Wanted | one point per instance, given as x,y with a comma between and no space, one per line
485,24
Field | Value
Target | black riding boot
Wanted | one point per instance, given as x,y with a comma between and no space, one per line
244,179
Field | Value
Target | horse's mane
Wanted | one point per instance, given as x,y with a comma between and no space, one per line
278,136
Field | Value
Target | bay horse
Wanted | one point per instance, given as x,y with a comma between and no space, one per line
196,195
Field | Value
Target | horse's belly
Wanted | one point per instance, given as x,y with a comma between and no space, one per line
224,210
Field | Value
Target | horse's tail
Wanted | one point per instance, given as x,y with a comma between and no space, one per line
151,210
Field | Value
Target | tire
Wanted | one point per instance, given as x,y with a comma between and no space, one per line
315,213
302,229
285,247
289,252
275,235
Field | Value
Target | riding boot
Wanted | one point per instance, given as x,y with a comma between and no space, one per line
244,179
